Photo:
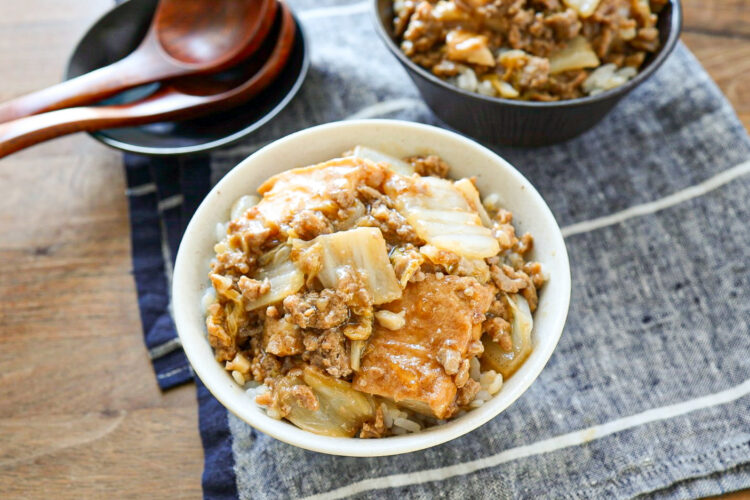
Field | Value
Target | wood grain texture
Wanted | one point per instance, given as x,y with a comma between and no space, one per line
723,18
718,33
81,415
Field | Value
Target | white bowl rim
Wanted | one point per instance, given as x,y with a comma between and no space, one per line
231,396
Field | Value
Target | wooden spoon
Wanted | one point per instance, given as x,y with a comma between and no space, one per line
185,37
183,98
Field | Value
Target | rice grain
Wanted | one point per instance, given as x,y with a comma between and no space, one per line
407,424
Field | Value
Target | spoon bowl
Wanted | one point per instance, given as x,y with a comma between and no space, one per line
210,36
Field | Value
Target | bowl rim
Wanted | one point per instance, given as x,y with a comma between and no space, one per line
100,136
225,389
615,93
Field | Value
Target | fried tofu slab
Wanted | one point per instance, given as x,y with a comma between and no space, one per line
443,313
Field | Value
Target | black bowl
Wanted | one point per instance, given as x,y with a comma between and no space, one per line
522,123
119,32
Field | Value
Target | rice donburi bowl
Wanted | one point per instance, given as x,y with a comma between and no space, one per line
370,295
399,140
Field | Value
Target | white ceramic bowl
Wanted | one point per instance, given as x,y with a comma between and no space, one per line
317,144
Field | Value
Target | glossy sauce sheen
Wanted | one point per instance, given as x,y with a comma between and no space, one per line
402,364
310,188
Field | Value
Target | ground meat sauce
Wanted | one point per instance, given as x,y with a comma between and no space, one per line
542,50
389,321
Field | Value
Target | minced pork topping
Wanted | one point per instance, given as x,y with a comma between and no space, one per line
542,50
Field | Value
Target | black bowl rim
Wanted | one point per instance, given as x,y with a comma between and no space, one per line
607,95
218,143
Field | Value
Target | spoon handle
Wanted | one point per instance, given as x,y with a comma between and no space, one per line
165,104
131,71
175,102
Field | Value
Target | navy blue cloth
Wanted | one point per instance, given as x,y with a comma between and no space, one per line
162,195
219,480
153,257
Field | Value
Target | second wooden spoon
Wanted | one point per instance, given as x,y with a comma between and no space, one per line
186,37
184,98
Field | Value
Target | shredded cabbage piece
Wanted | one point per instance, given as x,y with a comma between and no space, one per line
375,156
584,7
341,412
356,347
442,216
576,55
506,363
242,205
463,45
469,190
282,273
362,249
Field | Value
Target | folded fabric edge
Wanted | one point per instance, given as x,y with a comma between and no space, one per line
715,483
170,364
684,481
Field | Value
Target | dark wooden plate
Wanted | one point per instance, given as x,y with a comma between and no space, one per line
119,32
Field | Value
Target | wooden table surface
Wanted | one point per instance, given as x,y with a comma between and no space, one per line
80,412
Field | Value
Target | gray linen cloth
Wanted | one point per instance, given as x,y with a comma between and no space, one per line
648,392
